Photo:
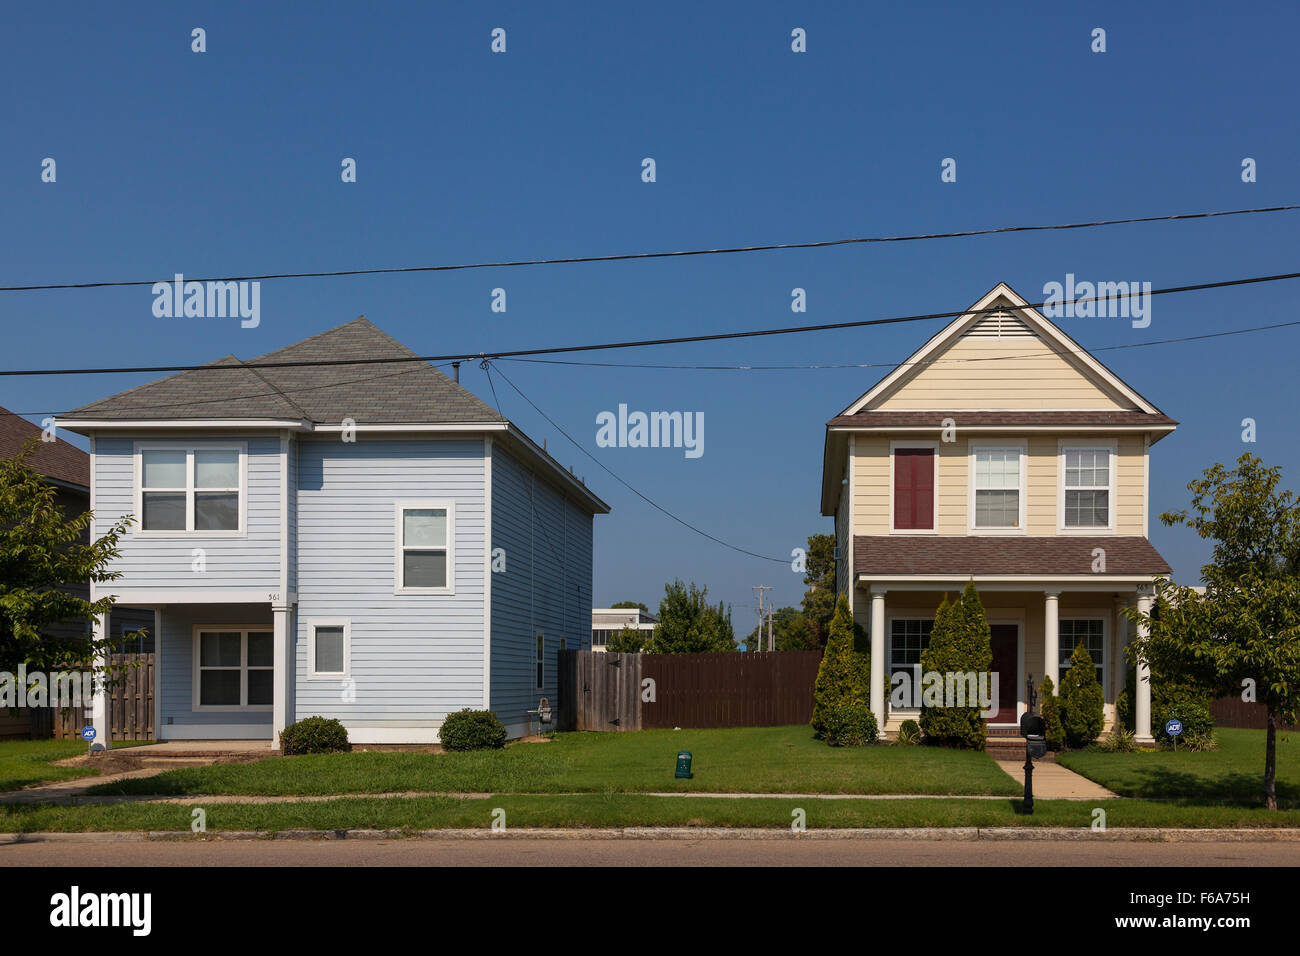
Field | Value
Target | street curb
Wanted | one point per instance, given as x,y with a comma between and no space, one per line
928,834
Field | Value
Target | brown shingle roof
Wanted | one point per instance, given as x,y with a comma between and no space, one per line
54,459
994,554
1102,419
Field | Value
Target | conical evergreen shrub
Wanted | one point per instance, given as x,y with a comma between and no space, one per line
1082,700
844,677
960,644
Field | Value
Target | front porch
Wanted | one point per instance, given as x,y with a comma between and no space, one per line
1035,628
223,675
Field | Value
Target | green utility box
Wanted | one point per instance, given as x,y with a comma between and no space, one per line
684,765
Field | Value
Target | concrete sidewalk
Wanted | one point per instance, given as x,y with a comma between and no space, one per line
1054,782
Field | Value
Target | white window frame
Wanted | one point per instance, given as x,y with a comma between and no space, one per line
312,672
972,449
243,706
190,447
1105,663
920,443
1065,445
399,583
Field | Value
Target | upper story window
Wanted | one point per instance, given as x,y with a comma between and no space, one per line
1086,474
997,488
425,555
191,489
914,489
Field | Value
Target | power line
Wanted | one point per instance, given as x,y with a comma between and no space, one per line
606,469
726,250
904,364
644,343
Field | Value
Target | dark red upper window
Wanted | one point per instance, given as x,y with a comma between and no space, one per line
914,489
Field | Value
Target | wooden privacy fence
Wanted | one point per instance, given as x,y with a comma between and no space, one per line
130,703
603,691
1235,712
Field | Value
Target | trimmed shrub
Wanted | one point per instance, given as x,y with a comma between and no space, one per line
960,643
849,725
1051,714
1082,702
1185,702
313,735
844,675
472,730
909,734
1119,741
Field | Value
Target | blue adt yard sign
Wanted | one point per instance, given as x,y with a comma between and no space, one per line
1173,727
87,733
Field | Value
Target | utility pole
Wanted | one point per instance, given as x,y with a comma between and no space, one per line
771,611
760,588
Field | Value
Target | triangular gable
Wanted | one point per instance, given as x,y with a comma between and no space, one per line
1010,359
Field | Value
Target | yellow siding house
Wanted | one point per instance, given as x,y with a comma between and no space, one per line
1000,451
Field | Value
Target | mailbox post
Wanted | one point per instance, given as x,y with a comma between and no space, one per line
1034,729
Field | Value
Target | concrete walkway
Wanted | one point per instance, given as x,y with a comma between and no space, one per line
1054,782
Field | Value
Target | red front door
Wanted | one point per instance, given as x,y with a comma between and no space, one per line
1004,640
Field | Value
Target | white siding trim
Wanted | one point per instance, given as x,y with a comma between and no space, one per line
851,586
94,534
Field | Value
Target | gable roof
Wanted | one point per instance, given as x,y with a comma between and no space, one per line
1011,317
374,393
58,460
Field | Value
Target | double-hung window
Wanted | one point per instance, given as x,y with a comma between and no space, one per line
1086,484
196,489
1091,633
233,668
425,559
996,488
908,637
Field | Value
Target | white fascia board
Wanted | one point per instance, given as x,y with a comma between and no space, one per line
552,467
160,597
83,424
361,427
1010,429
1008,582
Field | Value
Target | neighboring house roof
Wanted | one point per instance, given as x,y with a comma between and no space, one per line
1038,555
319,397
57,460
610,617
375,393
998,419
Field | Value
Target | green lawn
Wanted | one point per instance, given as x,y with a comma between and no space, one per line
620,810
1233,774
748,760
27,762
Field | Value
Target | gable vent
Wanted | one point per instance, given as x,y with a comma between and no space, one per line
1000,325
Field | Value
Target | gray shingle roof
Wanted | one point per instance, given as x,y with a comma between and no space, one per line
415,393
56,459
976,554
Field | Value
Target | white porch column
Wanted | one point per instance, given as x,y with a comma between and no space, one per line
99,708
282,676
1142,706
878,657
1052,637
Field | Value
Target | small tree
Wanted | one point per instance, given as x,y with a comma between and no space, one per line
844,677
44,554
630,605
1243,634
820,600
1049,710
960,644
629,640
688,624
1082,702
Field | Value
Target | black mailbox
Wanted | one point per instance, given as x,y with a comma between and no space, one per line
1034,729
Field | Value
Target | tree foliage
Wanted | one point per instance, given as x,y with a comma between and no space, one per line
631,604
1082,703
790,632
1049,710
1243,633
44,555
689,624
844,676
819,601
629,640
960,643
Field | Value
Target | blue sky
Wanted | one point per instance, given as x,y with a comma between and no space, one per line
228,162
